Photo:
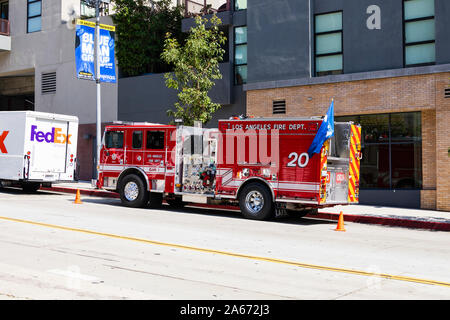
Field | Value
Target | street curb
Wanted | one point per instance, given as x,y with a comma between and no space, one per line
377,220
86,192
393,222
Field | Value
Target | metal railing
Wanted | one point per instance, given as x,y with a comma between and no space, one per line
202,7
4,27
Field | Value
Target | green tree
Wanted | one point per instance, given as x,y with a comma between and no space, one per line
196,66
141,26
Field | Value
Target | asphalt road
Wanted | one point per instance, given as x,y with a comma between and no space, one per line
52,248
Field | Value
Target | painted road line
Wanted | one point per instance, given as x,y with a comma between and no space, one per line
236,255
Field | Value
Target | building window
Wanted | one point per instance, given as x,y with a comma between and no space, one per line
240,4
328,44
420,34
4,10
240,55
392,150
34,16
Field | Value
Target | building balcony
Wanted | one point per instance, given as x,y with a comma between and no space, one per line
5,39
204,7
4,27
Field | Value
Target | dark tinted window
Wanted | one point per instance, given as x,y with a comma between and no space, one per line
406,127
114,139
137,139
406,166
375,167
375,128
155,140
392,150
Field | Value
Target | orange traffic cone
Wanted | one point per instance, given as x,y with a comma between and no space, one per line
78,198
340,226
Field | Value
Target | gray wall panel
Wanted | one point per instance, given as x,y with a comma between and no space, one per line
324,6
369,50
442,31
146,98
390,198
278,39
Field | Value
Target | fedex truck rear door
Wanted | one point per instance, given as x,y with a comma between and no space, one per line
47,143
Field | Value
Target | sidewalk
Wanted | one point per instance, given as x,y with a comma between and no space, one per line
388,216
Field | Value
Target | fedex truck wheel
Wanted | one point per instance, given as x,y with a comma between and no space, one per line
133,192
255,201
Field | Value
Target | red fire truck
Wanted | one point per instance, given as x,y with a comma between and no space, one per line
260,165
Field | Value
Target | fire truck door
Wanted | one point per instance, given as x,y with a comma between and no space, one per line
135,148
155,157
113,153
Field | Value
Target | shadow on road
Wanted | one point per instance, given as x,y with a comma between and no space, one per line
292,219
19,191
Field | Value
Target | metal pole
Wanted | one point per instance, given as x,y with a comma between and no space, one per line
99,106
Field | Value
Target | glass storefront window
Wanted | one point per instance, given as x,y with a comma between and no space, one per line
406,166
375,128
406,127
375,167
392,150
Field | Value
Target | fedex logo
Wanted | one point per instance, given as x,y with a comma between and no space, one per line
54,136
2,142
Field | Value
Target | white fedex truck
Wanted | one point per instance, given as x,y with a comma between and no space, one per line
37,148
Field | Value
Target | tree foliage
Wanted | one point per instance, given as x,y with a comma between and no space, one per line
195,67
141,26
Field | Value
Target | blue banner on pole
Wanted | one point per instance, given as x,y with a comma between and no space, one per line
106,56
85,52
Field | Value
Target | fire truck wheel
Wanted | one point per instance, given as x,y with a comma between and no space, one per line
255,202
133,192
155,200
31,187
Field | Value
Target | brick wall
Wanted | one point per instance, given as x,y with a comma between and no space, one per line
428,194
442,143
423,93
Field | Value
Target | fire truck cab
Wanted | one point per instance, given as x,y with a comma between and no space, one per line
260,165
